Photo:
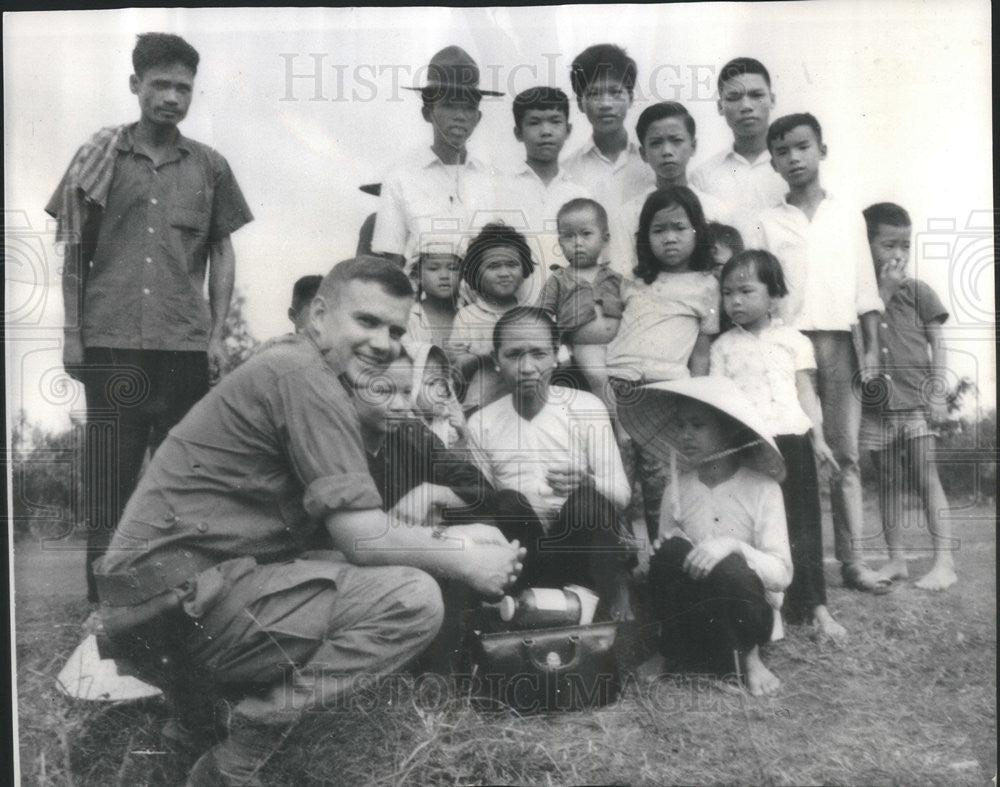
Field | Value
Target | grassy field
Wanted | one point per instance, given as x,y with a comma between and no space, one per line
911,699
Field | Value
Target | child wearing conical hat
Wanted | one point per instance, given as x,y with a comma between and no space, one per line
722,560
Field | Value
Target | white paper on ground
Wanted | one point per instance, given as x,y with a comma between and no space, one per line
86,676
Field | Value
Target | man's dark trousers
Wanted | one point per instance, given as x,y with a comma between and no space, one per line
134,397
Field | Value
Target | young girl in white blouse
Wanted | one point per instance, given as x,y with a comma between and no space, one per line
722,561
773,364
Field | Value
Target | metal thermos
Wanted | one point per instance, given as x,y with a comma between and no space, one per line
538,608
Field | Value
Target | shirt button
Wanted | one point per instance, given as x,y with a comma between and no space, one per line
885,350
145,291
202,527
883,325
150,230
149,259
153,200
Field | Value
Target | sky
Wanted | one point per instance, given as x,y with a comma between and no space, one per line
308,104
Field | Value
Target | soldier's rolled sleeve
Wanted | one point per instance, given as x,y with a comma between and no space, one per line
325,444
352,491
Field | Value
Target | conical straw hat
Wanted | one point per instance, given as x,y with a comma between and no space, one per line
648,416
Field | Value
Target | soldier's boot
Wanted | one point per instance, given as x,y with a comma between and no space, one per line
238,759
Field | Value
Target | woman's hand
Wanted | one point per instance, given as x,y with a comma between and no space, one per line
706,556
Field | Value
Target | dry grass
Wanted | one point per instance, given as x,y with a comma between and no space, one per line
910,700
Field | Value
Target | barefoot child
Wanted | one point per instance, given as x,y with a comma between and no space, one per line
433,315
671,311
585,298
723,560
900,431
773,364
496,263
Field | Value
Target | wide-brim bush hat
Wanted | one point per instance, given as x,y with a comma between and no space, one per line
452,70
648,417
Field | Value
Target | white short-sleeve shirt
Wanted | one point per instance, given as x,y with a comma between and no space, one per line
660,325
747,187
827,264
764,367
426,203
749,507
526,203
573,427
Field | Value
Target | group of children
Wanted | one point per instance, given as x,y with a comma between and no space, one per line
533,380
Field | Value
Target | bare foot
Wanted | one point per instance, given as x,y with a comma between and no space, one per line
760,680
828,627
894,569
941,576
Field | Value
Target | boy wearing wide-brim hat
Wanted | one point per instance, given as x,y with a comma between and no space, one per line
723,560
433,195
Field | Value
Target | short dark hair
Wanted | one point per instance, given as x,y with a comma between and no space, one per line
673,196
304,291
786,123
524,314
724,235
544,98
581,203
660,111
489,237
366,268
887,213
769,272
602,61
739,66
162,49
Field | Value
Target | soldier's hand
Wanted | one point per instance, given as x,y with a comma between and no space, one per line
487,566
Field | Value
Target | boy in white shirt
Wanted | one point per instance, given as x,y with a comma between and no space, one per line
742,176
529,198
609,166
667,141
436,192
822,247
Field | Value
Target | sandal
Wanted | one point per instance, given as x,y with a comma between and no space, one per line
867,581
